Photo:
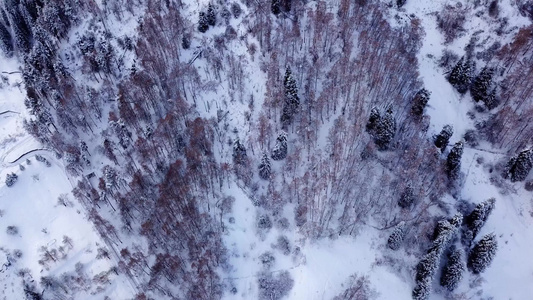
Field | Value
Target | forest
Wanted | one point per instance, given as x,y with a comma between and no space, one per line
316,111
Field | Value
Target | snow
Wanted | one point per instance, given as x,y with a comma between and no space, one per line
319,268
31,205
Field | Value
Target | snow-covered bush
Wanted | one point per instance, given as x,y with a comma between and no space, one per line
482,254
274,287
12,230
11,178
471,138
236,10
267,259
358,287
451,21
283,245
264,222
300,215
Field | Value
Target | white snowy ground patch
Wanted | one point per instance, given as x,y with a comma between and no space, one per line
31,217
319,269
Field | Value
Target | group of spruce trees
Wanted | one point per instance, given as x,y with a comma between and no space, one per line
479,257
482,87
280,150
206,19
382,127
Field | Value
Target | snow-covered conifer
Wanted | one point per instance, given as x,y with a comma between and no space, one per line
419,102
275,6
461,75
203,24
265,167
373,120
407,197
396,238
453,271
6,44
518,167
453,162
482,88
442,139
211,15
292,101
477,218
385,130
482,254
280,150
425,272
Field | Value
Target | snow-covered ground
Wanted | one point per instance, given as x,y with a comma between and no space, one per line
319,269
37,232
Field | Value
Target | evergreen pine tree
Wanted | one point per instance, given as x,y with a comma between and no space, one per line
396,238
482,254
21,31
407,197
6,44
453,271
425,272
202,22
461,75
482,88
477,218
453,162
292,101
239,152
211,15
385,131
275,6
373,120
264,167
442,139
419,102
481,85
280,150
518,167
